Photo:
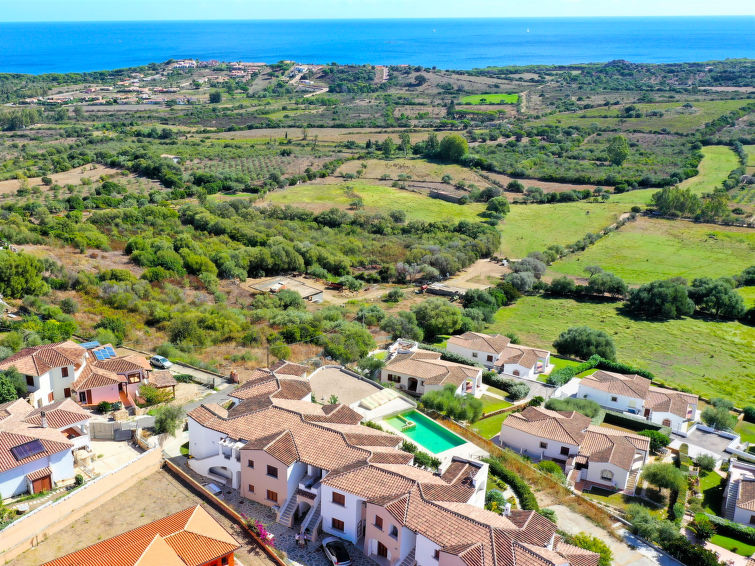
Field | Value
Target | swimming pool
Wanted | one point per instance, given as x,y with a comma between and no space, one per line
425,431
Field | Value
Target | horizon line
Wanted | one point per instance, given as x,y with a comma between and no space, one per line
382,19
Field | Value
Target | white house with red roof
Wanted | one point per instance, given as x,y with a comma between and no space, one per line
496,352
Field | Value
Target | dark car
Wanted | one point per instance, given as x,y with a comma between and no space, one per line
336,551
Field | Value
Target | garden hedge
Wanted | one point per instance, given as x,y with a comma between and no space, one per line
561,376
734,530
520,488
632,423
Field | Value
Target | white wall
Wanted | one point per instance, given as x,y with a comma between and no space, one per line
743,516
425,551
350,513
594,469
203,441
294,473
603,399
522,441
678,424
13,482
519,371
479,356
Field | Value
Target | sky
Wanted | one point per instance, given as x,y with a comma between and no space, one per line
111,10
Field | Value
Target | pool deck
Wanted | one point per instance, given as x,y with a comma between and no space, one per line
467,450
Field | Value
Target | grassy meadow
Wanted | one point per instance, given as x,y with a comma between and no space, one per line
718,161
750,150
652,248
710,358
497,98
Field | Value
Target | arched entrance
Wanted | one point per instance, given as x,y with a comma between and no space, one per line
412,384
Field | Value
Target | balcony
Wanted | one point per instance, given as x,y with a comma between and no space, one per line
311,483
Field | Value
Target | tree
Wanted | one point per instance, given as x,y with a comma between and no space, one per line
403,325
703,527
583,342
719,418
453,148
515,187
660,299
498,205
607,283
562,287
216,97
658,440
437,316
675,201
351,343
531,265
405,143
7,391
389,146
717,297
167,419
593,544
20,274
706,462
618,150
663,475
522,282
747,277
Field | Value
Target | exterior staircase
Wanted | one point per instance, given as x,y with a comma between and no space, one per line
286,517
310,521
730,500
632,482
410,560
125,399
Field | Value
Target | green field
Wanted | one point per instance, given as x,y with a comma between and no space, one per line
498,98
489,427
746,431
376,199
530,228
715,359
676,118
736,546
650,248
748,294
750,150
718,161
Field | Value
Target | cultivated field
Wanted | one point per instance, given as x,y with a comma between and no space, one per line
750,150
718,161
651,248
711,358
497,98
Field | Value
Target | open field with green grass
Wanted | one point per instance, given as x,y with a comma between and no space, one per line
376,198
497,98
533,227
736,546
675,118
750,151
489,427
746,431
718,161
748,294
621,501
715,359
652,248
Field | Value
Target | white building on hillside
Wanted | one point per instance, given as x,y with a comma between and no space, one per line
496,352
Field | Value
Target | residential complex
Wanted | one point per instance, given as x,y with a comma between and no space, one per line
37,445
496,352
325,473
189,537
633,394
739,496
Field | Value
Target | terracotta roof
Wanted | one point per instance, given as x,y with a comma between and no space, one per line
93,377
39,474
560,426
428,366
10,440
292,389
520,355
633,386
124,365
162,378
494,343
577,556
746,495
60,414
282,367
369,482
669,401
602,444
38,360
188,538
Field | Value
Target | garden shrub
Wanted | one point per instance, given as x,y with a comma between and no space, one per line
518,485
587,407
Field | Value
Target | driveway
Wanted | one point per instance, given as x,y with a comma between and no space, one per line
701,442
623,555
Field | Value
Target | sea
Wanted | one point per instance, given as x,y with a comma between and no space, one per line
444,43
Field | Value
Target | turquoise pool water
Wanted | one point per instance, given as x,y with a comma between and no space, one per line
427,432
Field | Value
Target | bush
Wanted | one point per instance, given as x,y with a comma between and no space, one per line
424,460
583,342
184,378
658,440
518,485
445,401
749,414
104,407
719,418
552,469
703,527
536,401
663,475
706,462
593,544
734,530
393,296
167,419
153,396
586,407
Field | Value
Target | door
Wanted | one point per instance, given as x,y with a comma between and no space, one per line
67,392
382,550
413,384
42,484
647,413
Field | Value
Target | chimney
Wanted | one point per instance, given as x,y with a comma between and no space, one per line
43,418
507,509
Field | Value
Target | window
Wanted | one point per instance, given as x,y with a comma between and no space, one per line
606,475
272,471
272,496
134,378
82,397
614,399
251,488
490,358
64,372
564,450
436,554
584,396
29,381
752,519
337,524
250,464
378,522
394,531
474,354
339,499
224,561
51,397
394,378
666,422
543,445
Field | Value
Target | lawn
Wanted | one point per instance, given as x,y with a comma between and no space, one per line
675,117
718,161
490,404
489,427
376,198
652,248
736,546
529,228
711,358
619,500
746,431
498,98
712,487
748,294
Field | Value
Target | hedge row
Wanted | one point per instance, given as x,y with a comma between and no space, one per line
519,487
561,376
450,356
734,530
632,423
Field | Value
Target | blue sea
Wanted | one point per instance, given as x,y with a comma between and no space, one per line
448,43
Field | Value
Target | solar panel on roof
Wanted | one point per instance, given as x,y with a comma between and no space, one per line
27,450
100,355
90,345
109,350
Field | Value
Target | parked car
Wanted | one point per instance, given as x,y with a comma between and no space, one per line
160,362
336,551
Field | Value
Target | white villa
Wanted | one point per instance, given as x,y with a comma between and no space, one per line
418,371
739,497
635,395
496,352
